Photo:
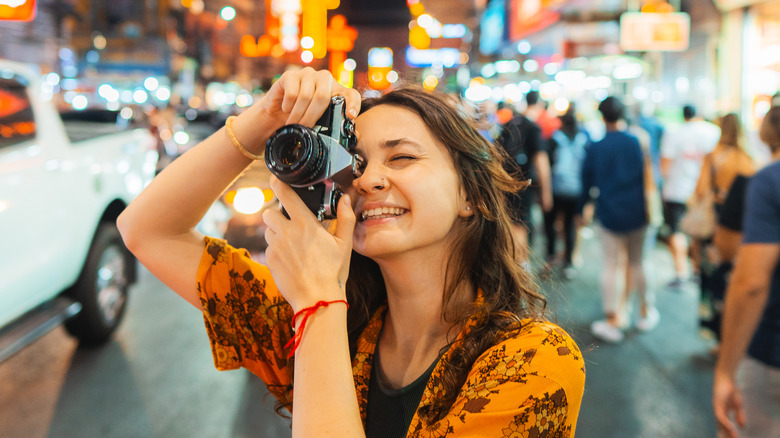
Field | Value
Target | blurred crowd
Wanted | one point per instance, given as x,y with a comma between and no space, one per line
699,188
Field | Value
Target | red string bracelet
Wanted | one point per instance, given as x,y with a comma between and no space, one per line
307,312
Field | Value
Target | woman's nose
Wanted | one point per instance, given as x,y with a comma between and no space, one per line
372,180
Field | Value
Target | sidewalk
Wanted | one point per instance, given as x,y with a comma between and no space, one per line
655,384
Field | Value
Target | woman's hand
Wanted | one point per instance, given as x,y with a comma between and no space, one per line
307,262
299,96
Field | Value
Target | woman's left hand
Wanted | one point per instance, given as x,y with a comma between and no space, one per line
307,262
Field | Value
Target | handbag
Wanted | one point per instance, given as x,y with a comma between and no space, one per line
699,219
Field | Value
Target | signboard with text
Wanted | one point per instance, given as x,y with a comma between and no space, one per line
17,10
653,32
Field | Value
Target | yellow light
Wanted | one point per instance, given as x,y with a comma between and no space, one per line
430,82
314,23
99,42
419,38
277,51
377,77
479,80
417,9
248,200
346,78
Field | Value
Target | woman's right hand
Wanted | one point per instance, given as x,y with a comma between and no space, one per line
299,96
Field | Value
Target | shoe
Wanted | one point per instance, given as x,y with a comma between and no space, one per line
650,321
569,272
606,331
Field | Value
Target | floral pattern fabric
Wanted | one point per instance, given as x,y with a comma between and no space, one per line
529,385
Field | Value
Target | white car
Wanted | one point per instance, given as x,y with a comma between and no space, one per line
62,186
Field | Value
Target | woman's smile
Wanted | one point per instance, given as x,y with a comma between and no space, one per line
377,213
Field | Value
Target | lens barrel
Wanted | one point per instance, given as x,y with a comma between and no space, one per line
295,155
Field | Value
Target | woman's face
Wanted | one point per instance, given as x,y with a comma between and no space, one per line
409,196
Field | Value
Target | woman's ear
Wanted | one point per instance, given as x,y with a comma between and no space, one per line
466,209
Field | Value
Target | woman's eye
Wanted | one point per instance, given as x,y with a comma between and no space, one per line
402,157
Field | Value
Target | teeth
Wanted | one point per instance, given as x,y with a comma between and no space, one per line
377,213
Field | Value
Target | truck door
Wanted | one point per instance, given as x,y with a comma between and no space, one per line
28,193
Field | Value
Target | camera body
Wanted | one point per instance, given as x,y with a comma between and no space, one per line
317,162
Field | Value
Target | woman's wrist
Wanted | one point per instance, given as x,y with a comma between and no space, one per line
251,131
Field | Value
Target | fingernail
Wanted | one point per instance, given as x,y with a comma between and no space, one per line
352,113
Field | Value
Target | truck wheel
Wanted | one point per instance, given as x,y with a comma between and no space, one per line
101,288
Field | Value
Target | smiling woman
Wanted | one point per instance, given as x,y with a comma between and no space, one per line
443,333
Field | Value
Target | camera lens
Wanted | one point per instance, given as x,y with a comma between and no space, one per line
295,155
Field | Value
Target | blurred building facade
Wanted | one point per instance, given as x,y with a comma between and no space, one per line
731,60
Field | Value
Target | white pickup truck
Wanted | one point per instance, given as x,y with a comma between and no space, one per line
63,182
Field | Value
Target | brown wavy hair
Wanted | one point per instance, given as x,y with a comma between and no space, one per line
731,134
482,256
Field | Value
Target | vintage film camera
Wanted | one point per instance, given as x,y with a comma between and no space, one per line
317,162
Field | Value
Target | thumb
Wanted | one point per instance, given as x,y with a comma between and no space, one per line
345,220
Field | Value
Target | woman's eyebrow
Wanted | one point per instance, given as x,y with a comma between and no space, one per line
389,144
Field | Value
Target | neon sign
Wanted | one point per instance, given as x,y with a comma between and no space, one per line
17,10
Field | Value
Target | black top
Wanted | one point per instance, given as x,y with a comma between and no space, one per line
522,139
730,214
389,412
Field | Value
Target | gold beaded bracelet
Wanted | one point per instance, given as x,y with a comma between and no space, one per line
236,143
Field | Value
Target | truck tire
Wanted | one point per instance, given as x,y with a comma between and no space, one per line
102,288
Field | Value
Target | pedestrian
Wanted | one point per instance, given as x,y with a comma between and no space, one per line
411,315
536,110
746,388
682,153
522,140
719,169
616,167
655,130
566,151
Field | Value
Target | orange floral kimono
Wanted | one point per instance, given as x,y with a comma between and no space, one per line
529,385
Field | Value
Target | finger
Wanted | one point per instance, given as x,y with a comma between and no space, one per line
290,83
273,219
303,100
270,236
320,98
290,200
740,411
351,97
724,423
345,222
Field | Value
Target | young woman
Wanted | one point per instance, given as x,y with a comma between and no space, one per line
719,170
444,334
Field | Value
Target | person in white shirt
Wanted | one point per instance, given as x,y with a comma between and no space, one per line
682,153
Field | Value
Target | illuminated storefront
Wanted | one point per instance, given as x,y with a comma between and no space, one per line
750,57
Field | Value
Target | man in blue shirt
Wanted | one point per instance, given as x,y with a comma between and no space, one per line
749,387
615,166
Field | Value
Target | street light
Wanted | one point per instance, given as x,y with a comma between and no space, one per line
227,13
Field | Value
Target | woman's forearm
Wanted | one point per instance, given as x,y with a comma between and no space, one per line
179,197
325,402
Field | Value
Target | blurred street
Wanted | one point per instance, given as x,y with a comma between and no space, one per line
157,380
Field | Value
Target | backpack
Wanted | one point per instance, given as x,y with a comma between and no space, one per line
566,163
520,138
